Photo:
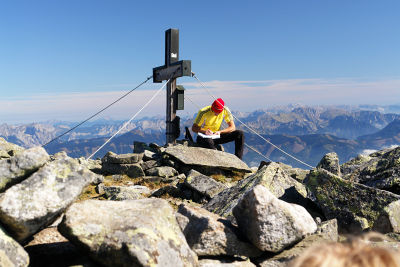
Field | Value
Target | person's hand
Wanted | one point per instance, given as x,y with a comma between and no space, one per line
209,132
217,132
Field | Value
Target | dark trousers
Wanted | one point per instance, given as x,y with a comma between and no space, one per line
236,136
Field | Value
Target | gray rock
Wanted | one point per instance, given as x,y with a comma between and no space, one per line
203,184
36,202
330,163
93,165
283,259
272,176
328,229
225,263
356,207
206,160
149,155
149,164
11,253
20,166
164,171
8,149
128,233
132,170
211,235
130,158
126,192
269,223
380,170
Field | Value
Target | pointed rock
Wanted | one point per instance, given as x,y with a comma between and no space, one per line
211,235
129,233
20,166
272,224
330,163
271,176
36,202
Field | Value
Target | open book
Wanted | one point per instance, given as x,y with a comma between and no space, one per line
214,136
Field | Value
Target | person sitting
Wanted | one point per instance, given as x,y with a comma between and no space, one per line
208,122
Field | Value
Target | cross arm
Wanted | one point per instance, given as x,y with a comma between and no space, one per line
177,69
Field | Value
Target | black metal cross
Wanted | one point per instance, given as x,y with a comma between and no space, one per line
170,71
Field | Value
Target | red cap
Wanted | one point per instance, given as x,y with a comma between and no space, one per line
218,105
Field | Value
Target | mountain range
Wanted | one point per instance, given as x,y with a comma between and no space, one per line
305,132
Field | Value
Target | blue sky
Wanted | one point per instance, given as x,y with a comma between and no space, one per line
66,59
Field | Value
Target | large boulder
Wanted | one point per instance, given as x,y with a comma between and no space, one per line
272,176
8,149
36,202
128,233
357,207
19,167
206,161
211,235
11,252
269,223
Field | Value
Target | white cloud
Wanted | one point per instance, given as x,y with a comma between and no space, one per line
238,95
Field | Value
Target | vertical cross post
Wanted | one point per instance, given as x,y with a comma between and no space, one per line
171,56
170,71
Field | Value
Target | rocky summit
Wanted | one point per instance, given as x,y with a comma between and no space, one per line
179,205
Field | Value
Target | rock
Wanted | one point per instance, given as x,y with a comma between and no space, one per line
171,190
271,176
149,164
380,170
357,207
296,173
149,155
8,149
19,167
269,223
113,158
225,263
132,170
128,233
164,171
211,235
11,253
126,192
207,161
283,259
328,229
330,163
93,165
36,202
203,184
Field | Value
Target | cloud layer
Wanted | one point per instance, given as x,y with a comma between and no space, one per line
238,95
